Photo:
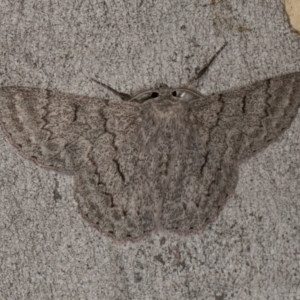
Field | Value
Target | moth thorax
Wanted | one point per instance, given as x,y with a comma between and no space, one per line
167,107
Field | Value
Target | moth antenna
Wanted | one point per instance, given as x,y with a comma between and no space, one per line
206,67
123,96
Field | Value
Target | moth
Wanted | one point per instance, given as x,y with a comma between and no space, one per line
165,159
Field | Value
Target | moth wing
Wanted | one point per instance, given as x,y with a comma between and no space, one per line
226,129
53,129
69,132
119,194
246,120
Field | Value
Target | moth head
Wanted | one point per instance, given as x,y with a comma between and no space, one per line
166,101
166,94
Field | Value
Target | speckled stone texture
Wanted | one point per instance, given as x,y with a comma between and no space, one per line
48,252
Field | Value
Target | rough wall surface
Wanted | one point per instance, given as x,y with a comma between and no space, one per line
47,251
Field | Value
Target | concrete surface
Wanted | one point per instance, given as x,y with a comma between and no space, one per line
47,251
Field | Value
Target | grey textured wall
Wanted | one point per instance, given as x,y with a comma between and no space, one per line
47,251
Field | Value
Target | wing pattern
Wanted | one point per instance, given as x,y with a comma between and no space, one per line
162,163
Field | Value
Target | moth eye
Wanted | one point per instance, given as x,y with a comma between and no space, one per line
154,95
